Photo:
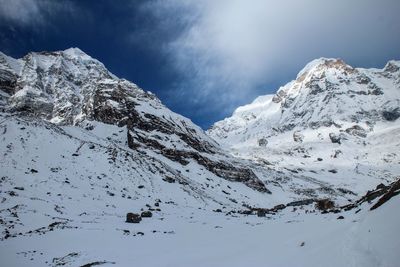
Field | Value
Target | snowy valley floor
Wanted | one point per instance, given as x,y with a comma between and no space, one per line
65,193
193,237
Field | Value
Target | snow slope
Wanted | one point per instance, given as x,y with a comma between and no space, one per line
334,123
80,148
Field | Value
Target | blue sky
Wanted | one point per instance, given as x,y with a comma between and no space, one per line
204,58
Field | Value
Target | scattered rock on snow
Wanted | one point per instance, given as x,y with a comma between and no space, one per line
324,204
263,142
298,137
133,218
334,138
146,214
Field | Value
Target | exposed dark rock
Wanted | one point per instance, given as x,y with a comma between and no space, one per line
346,191
334,138
300,202
340,217
263,142
96,263
393,191
146,214
169,180
261,212
133,218
279,207
357,130
19,188
324,204
298,137
391,115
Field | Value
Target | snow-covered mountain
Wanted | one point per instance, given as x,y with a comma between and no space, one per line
81,148
71,88
334,123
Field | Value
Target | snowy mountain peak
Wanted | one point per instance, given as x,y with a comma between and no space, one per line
333,123
322,64
69,88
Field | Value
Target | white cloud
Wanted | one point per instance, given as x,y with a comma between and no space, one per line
227,48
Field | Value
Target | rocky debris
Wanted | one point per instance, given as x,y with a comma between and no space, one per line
96,263
303,202
391,115
279,207
346,191
223,169
263,142
357,130
335,138
298,137
261,212
67,259
169,179
393,191
133,218
324,204
146,214
337,153
19,188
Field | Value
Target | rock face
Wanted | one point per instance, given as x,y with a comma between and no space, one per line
71,88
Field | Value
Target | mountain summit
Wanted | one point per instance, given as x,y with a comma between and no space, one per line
332,119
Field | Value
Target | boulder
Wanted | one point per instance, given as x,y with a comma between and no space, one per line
298,137
263,142
147,214
324,204
133,218
334,138
357,130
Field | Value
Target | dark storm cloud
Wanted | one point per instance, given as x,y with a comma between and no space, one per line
204,58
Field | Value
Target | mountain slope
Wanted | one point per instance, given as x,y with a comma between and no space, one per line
334,123
81,149
71,88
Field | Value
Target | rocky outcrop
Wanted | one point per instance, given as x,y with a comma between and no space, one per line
394,190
